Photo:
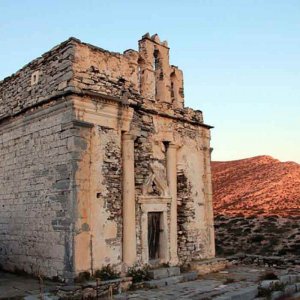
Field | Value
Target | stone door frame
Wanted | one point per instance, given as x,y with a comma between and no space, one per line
155,204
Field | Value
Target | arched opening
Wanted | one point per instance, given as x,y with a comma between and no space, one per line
140,73
174,87
159,75
156,60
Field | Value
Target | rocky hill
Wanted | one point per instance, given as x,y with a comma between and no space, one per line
257,207
259,185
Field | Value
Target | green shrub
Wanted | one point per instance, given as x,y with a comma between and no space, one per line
83,276
268,276
165,265
185,267
139,274
282,252
257,238
229,252
107,273
229,280
266,293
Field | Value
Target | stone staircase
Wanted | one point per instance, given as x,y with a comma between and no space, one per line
167,276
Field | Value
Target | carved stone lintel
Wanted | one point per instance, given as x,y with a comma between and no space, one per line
154,200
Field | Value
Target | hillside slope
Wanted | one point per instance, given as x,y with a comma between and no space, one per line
254,186
257,207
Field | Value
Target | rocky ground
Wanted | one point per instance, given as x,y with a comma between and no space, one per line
262,235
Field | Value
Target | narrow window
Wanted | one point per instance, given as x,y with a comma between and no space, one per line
156,64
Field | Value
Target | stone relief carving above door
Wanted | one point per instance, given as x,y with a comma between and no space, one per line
156,183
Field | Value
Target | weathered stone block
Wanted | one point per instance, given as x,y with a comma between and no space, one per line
249,293
269,284
276,295
290,289
164,272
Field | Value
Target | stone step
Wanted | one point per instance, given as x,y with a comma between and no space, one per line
156,283
207,266
164,272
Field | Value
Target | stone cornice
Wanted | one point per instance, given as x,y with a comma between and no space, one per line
103,97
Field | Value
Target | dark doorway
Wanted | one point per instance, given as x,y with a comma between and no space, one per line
153,234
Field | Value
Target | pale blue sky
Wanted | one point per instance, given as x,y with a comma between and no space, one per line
241,58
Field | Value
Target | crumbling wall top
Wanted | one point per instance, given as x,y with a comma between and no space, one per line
154,38
144,77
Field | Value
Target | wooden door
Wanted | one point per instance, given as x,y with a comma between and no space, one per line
153,234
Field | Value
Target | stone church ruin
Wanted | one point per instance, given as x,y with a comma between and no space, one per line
101,163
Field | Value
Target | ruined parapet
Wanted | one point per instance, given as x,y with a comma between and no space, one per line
39,81
143,76
158,79
105,72
177,91
156,69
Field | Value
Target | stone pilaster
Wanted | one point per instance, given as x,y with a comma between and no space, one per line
172,182
129,226
209,196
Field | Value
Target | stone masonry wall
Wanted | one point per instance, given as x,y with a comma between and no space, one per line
98,239
193,232
106,72
37,81
193,235
144,156
184,214
35,197
111,194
